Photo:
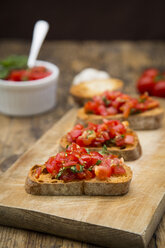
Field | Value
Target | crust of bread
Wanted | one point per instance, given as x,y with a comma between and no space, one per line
84,91
115,185
148,120
129,153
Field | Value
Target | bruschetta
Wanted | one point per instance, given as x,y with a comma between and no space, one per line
142,113
85,91
116,136
79,172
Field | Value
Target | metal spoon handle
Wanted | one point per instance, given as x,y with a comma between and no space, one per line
39,33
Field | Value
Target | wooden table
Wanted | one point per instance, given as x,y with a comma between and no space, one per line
124,60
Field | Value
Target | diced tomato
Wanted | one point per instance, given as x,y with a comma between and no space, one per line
129,139
18,75
91,107
88,175
68,177
79,141
79,126
81,175
73,156
102,110
38,72
92,126
118,170
111,111
120,128
98,99
103,172
105,135
34,73
152,104
76,163
87,160
50,168
60,157
69,163
38,172
87,141
126,109
75,133
121,103
72,147
119,141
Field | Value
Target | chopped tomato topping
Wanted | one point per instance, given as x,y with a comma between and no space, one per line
38,172
115,102
118,170
79,164
34,73
110,133
129,139
103,172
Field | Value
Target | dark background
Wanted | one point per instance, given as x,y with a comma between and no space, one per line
81,20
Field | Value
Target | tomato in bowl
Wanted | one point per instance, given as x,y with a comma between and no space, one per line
35,73
29,97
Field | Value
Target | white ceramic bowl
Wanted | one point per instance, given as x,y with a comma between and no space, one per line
29,97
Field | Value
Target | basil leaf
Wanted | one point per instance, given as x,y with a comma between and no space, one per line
98,162
11,63
141,100
74,169
106,101
15,61
4,72
59,174
105,150
87,149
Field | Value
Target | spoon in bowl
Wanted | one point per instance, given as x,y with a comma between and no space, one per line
39,33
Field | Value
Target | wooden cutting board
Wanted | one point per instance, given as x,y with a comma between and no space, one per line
125,221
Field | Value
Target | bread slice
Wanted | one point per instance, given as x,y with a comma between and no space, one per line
84,91
129,152
148,120
115,185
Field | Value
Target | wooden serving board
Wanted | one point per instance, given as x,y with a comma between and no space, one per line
123,221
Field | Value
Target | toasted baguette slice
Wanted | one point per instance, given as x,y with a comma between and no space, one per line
86,90
115,185
148,120
129,153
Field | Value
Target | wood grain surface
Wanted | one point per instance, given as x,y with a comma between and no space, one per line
122,59
132,217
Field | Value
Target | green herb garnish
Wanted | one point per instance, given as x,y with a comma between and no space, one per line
134,111
98,162
11,63
60,172
141,100
104,150
87,149
106,101
89,133
74,169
